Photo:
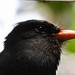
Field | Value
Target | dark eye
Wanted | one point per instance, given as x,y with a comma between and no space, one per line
40,29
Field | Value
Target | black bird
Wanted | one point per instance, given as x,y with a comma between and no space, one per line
33,47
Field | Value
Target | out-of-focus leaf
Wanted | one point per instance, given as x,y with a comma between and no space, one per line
59,7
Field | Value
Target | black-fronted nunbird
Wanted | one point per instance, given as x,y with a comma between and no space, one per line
33,47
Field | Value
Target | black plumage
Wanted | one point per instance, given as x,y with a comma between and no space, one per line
31,48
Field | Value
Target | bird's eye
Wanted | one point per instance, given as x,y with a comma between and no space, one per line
40,29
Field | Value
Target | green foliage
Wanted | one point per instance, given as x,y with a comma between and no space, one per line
71,46
58,7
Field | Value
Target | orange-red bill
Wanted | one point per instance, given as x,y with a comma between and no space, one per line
66,34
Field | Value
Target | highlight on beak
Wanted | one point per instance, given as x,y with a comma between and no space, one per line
66,34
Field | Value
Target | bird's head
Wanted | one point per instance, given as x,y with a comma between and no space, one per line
37,44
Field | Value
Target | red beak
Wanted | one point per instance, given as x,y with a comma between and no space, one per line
66,34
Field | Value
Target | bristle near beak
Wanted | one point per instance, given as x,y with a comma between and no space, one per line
66,34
